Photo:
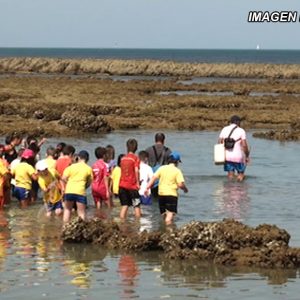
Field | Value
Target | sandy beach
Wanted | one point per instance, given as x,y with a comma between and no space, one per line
59,97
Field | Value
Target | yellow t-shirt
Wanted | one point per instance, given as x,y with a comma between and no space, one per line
50,180
79,176
169,177
51,163
3,171
115,176
22,173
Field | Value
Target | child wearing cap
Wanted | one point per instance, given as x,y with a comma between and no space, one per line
100,188
170,179
24,173
77,179
48,180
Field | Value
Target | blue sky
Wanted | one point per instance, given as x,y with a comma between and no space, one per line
198,24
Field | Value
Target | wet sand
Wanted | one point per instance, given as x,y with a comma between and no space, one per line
64,104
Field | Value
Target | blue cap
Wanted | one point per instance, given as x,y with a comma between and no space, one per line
175,156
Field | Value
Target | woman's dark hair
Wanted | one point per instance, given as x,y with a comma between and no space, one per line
119,159
34,147
31,161
31,140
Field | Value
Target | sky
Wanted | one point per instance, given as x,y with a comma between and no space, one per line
187,24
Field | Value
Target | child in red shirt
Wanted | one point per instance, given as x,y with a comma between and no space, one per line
100,188
129,181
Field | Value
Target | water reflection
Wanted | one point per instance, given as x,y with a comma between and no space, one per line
232,199
4,238
204,275
79,261
129,274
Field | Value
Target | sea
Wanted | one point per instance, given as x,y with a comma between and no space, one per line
179,55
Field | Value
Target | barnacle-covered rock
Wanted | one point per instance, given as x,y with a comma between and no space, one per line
228,242
84,121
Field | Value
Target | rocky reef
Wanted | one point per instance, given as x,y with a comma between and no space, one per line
54,99
145,67
228,242
289,134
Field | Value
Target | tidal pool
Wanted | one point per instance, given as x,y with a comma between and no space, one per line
35,264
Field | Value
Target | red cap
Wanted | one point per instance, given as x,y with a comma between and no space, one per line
27,154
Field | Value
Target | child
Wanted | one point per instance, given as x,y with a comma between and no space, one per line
129,181
77,178
24,173
49,184
170,179
50,161
110,157
65,159
116,176
146,173
100,188
4,179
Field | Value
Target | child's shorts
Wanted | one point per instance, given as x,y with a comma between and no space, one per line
21,193
168,203
99,196
146,200
54,206
129,197
76,198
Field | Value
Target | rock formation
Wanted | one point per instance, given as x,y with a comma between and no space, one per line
228,242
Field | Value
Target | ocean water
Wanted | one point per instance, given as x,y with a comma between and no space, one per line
180,55
34,262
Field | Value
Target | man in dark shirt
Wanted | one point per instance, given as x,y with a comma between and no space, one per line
158,156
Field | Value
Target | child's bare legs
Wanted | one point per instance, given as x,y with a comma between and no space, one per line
67,211
137,212
123,212
58,212
48,213
24,203
1,202
169,217
97,203
81,210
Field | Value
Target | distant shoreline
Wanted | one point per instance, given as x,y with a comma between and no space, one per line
147,68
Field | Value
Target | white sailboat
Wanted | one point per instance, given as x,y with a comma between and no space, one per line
257,47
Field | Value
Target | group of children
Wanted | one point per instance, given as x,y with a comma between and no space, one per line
64,176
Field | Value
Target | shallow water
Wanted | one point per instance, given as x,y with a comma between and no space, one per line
220,93
36,265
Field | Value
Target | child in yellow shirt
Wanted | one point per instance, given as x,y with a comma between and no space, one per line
77,178
24,173
48,181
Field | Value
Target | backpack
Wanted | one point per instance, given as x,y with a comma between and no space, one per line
159,160
230,142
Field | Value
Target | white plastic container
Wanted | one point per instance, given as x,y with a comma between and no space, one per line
219,154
